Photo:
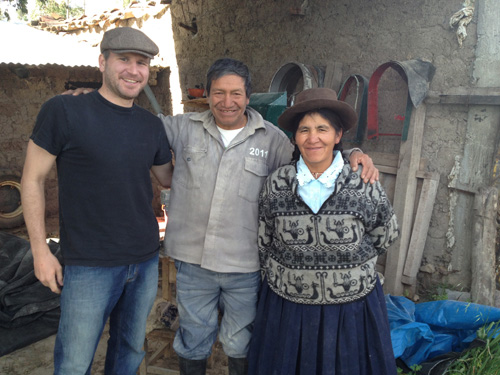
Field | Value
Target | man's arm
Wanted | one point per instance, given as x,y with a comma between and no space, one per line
163,174
370,172
78,91
36,168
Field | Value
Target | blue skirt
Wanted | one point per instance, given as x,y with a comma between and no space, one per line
346,339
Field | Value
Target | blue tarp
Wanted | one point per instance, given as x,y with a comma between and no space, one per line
422,331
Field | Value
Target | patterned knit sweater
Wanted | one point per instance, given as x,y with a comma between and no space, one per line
328,257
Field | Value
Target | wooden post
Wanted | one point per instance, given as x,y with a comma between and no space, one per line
404,200
483,285
420,228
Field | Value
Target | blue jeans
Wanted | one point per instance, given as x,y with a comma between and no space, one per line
90,295
201,293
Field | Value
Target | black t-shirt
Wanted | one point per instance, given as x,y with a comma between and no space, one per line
104,155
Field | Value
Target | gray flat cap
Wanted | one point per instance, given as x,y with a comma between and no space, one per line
128,39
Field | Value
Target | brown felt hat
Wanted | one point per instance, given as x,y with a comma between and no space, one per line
128,39
318,98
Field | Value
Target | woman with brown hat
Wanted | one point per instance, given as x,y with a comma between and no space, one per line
321,228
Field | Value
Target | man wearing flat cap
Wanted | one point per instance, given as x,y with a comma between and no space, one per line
105,147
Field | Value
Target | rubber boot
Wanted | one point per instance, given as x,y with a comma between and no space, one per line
237,366
192,366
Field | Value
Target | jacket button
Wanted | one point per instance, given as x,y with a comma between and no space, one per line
188,159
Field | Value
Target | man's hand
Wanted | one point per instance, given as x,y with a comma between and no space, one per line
370,172
78,91
48,269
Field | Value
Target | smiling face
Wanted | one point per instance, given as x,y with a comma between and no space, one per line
228,101
124,76
316,137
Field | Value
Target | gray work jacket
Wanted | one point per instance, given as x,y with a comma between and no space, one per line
213,211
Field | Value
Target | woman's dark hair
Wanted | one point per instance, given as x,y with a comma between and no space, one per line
333,120
223,67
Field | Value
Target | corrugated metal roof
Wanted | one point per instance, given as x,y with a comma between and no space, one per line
22,44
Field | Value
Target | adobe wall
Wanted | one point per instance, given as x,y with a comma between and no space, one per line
360,35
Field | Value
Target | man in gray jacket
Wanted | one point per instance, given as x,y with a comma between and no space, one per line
222,158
